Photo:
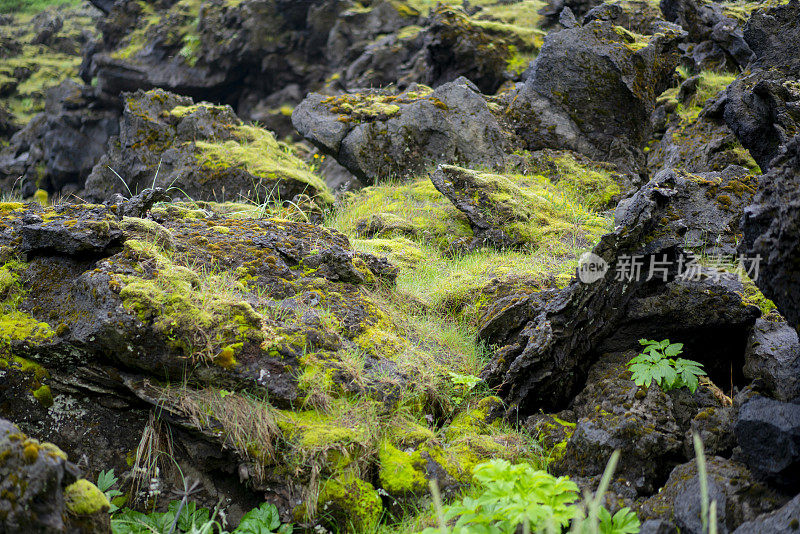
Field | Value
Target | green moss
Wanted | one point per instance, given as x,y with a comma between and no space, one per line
400,251
531,210
41,197
353,503
84,498
7,207
316,435
408,32
258,152
473,421
185,309
15,324
401,472
742,10
594,185
44,396
412,209
753,296
634,41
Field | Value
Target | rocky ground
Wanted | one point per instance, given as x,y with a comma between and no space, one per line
382,266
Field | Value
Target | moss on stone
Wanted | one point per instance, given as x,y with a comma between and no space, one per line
260,154
192,318
15,324
83,498
401,472
352,503
44,396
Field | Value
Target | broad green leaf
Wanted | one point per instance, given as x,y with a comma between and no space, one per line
673,349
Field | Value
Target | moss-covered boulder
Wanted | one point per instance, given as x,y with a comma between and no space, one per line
378,135
592,90
170,314
87,506
694,135
541,360
505,211
200,150
34,477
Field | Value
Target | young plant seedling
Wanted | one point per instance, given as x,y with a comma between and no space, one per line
656,364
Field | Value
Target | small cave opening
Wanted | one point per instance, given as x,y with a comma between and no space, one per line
721,349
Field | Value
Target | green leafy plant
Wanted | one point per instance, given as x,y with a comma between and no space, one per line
105,481
656,364
464,385
193,520
509,497
263,520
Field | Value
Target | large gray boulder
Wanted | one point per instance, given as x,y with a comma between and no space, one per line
546,346
377,135
592,89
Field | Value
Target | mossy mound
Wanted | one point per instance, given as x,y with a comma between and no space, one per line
512,211
200,150
83,498
350,504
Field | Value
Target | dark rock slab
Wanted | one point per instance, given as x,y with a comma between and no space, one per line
768,433
772,232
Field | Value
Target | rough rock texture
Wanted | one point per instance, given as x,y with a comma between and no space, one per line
768,434
696,138
236,52
106,307
57,150
448,46
34,478
738,495
542,359
715,35
773,358
771,227
592,89
613,414
638,16
762,107
202,151
377,135
784,519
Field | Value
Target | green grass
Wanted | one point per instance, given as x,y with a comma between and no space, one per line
34,6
